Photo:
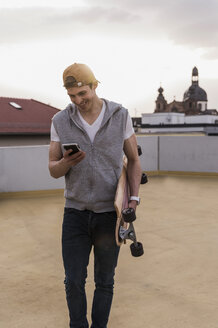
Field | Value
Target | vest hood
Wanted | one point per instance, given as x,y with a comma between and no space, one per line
111,108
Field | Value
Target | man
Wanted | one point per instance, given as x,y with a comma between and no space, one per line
103,131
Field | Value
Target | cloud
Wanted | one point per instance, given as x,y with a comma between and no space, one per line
193,23
20,24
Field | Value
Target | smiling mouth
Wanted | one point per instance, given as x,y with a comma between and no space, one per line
83,104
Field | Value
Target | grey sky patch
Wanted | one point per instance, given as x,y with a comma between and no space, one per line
28,23
192,23
185,22
211,53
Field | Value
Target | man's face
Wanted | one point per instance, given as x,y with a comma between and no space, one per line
82,97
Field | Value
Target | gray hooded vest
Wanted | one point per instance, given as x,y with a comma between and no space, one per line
91,184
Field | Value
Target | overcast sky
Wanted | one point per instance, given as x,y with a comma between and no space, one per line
131,45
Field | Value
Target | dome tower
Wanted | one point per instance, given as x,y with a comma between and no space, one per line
195,98
161,103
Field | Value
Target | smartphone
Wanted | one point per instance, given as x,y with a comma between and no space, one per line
74,146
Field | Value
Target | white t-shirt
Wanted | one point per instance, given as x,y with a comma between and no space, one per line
94,127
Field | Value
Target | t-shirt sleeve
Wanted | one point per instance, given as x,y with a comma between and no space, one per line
53,134
129,128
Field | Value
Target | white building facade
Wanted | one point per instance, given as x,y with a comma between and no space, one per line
178,123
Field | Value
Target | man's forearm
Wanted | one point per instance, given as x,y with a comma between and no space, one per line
58,168
134,173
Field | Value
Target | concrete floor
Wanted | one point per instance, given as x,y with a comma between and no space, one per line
174,285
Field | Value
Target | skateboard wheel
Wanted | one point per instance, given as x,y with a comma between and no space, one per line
144,178
139,150
137,251
128,214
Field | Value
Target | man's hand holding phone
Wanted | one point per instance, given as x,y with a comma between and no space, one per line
73,154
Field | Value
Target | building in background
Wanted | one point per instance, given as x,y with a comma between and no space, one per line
25,122
137,123
168,123
190,115
194,100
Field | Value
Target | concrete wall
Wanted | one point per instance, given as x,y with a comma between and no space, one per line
189,153
149,158
22,140
26,168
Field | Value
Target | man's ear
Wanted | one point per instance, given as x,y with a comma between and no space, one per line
94,85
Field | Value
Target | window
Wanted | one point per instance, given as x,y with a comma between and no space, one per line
15,105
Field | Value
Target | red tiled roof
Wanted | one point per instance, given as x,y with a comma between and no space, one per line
33,118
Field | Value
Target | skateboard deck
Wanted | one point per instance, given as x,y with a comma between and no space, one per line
121,202
125,215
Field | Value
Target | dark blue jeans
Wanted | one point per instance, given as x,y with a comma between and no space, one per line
81,231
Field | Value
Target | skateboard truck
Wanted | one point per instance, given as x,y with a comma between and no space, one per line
136,247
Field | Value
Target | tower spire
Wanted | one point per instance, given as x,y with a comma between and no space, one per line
195,76
160,101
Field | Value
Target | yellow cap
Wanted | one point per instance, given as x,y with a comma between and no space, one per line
77,75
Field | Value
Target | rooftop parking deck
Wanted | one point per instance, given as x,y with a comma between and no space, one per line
173,285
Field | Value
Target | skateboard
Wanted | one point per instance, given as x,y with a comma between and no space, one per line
125,215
